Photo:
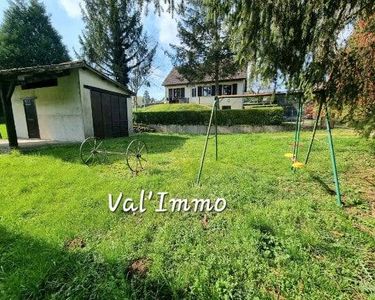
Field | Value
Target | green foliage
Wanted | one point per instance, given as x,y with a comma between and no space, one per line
2,116
282,235
352,86
253,116
204,49
3,131
146,97
175,107
27,37
295,39
113,40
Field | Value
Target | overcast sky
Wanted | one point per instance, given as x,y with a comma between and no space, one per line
66,18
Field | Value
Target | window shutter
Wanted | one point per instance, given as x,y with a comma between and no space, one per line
234,89
199,91
194,92
220,90
213,90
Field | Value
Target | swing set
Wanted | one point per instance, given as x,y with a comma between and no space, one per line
296,164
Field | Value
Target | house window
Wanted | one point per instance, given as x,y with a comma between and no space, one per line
178,93
227,90
206,91
226,107
234,89
194,92
170,93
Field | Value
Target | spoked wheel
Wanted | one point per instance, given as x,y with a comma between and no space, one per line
136,156
92,151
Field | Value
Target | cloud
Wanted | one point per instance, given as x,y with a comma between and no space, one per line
167,28
72,7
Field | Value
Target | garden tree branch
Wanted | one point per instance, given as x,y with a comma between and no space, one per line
294,38
351,83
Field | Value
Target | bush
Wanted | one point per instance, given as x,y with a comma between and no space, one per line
253,116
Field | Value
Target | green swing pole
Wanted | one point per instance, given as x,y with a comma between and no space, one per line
216,104
298,133
296,130
206,143
333,158
314,132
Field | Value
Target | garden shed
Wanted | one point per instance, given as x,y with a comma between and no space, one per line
64,102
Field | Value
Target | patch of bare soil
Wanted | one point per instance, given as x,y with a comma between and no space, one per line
204,221
76,243
138,267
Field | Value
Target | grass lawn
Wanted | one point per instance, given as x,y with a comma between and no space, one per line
175,107
281,236
3,131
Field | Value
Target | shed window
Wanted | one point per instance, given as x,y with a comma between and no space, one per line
40,84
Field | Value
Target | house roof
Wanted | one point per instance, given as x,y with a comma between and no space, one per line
21,74
175,78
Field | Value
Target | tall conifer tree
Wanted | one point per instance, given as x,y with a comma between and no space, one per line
204,49
113,38
27,37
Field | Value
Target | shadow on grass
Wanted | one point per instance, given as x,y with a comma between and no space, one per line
324,185
33,269
156,143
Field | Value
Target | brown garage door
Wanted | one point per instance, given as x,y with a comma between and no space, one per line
109,114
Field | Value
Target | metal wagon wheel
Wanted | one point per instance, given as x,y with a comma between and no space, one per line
136,156
92,151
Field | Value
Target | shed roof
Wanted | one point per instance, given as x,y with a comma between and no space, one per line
175,78
22,74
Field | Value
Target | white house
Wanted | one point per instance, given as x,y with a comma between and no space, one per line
179,90
69,102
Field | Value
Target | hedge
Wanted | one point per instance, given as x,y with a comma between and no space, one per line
253,116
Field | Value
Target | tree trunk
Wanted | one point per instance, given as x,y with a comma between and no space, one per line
6,92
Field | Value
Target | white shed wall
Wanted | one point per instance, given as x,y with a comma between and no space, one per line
58,110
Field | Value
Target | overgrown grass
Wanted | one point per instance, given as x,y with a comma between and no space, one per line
175,107
282,235
3,131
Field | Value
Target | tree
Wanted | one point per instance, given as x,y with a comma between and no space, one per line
146,98
139,77
27,37
172,5
296,39
113,40
352,84
204,50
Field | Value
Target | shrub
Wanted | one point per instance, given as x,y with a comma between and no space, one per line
253,116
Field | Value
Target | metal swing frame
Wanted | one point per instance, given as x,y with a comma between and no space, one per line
297,137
